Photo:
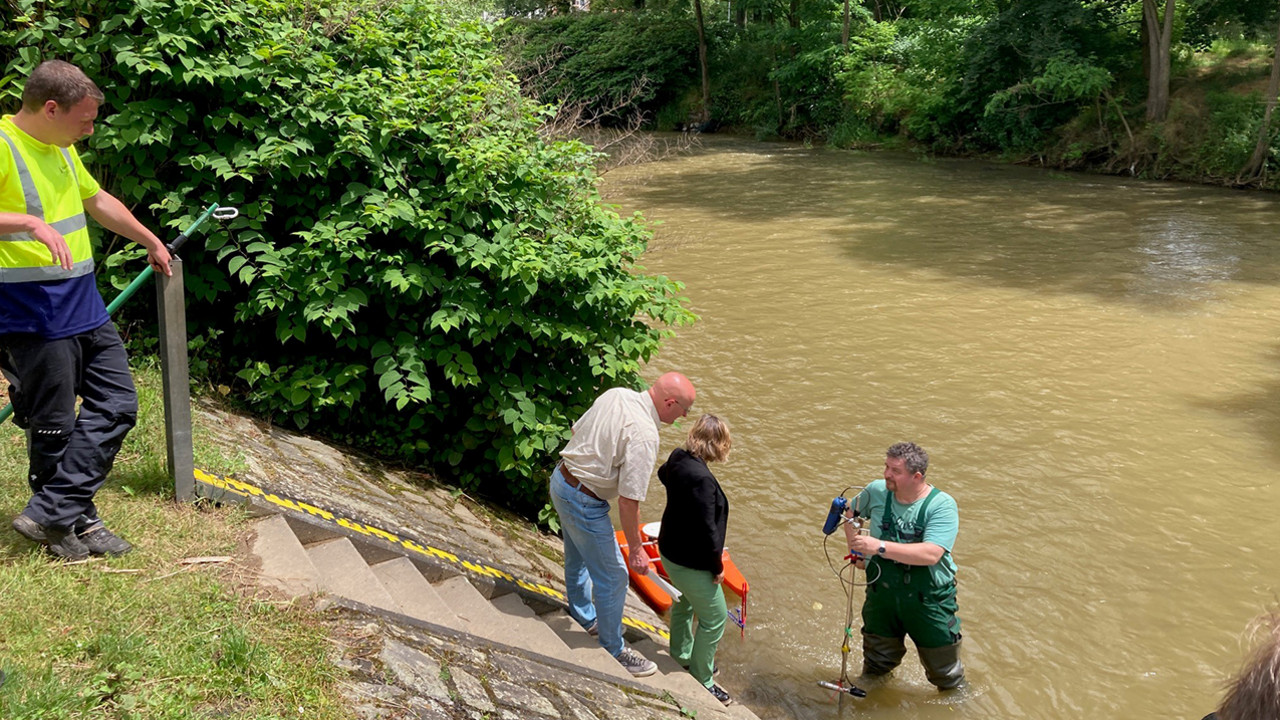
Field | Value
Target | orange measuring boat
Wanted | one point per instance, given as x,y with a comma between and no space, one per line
656,597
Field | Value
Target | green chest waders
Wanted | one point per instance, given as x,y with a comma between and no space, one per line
903,601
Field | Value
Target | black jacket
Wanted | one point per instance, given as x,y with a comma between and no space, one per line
696,516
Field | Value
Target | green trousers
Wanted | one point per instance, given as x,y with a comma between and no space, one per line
702,597
903,602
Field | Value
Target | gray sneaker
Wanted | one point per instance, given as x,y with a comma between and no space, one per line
635,663
62,543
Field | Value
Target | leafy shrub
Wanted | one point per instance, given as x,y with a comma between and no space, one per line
1040,51
603,60
1228,135
414,270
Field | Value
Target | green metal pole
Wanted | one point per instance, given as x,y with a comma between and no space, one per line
141,279
147,273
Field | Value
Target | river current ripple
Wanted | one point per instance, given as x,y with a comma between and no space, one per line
1092,363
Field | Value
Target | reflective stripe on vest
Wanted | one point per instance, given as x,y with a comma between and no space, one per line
64,227
45,273
37,265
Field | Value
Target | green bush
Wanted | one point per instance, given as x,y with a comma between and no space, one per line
614,64
1028,70
414,271
1228,135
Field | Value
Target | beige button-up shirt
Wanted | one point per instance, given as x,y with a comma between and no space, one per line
615,445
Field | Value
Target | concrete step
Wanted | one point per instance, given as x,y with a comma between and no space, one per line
415,596
676,680
584,648
285,564
343,572
512,605
483,619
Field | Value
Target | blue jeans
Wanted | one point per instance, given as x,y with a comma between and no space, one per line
595,574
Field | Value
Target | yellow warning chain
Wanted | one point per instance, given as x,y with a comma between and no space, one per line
244,489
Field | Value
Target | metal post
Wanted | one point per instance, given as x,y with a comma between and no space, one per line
177,383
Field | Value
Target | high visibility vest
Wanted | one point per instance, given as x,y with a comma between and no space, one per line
57,201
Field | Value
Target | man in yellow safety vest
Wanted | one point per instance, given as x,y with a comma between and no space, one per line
56,341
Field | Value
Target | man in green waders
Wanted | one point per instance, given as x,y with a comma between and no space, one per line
911,577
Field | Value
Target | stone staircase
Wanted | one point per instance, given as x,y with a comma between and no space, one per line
300,558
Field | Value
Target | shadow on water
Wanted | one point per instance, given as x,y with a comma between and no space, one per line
1258,409
1161,245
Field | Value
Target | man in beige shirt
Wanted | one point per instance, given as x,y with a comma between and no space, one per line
611,455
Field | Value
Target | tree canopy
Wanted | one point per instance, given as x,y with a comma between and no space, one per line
415,270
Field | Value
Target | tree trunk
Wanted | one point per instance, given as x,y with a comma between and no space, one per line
1256,164
1144,38
793,15
844,36
1159,42
702,62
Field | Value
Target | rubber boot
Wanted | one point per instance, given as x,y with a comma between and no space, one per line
880,655
942,665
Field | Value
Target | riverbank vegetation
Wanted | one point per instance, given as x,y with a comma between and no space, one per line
416,269
1164,89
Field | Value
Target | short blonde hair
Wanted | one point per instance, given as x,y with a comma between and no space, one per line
709,439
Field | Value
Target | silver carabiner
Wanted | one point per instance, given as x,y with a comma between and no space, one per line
226,213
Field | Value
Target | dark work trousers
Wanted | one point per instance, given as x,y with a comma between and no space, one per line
70,455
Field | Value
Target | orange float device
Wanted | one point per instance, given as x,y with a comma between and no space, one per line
658,598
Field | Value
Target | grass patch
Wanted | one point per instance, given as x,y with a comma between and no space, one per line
143,636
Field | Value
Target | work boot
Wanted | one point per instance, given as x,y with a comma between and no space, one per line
942,666
101,541
880,654
60,542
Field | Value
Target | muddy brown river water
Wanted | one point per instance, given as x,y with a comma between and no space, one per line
1092,362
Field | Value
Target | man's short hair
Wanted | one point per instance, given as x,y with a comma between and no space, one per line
912,455
60,82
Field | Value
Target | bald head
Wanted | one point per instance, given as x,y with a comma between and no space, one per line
673,396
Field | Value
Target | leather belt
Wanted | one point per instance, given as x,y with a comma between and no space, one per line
573,482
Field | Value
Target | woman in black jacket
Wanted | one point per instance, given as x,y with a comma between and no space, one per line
691,542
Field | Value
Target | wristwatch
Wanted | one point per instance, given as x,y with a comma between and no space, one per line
881,550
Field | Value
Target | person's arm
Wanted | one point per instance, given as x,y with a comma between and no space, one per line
941,526
41,231
703,496
629,514
921,553
114,216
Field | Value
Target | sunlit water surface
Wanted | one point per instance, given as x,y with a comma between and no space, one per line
1092,362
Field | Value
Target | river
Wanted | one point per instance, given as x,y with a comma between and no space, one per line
1092,363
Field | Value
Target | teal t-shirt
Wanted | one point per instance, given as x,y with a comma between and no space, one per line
941,524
